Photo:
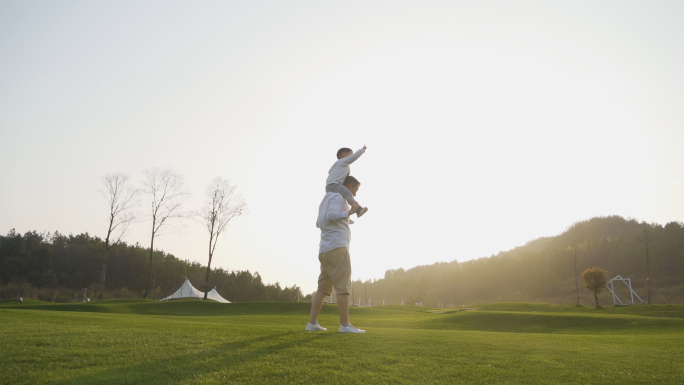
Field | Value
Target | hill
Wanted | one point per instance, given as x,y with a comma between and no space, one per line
544,269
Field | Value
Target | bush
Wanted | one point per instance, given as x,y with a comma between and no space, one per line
28,291
124,292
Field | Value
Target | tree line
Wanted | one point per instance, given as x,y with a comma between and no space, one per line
547,269
57,267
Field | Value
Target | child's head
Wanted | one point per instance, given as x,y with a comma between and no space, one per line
344,152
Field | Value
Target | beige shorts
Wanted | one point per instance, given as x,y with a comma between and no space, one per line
335,271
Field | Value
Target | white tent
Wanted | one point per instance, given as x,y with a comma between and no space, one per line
213,294
188,291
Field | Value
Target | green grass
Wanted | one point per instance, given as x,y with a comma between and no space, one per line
195,342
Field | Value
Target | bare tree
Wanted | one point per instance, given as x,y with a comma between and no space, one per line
166,191
222,205
121,198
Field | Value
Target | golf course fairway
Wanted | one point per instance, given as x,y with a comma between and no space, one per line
204,342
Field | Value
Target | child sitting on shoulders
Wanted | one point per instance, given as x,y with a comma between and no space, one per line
339,171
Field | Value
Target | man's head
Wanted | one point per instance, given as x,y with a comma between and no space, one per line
352,184
344,152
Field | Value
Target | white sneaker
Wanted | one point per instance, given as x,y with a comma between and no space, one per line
350,329
361,211
315,327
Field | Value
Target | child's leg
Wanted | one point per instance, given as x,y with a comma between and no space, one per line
340,189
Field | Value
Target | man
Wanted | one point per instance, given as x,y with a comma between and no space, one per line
333,220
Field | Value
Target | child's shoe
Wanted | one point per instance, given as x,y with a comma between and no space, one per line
361,211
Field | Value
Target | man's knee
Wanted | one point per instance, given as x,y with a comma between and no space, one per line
343,300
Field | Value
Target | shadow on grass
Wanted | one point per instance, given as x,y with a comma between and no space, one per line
184,367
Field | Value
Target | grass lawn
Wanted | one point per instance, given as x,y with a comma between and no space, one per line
195,342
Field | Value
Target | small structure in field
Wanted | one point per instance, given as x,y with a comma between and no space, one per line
188,291
628,283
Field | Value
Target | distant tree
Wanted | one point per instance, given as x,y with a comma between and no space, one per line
595,280
19,282
120,196
166,191
222,205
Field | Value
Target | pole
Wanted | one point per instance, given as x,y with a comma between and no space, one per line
648,267
576,285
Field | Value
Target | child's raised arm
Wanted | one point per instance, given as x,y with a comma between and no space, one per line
351,158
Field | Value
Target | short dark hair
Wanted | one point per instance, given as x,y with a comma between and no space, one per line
350,180
343,151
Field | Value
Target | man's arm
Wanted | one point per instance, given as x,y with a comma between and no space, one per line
335,210
351,158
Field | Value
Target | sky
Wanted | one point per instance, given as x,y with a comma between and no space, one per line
488,123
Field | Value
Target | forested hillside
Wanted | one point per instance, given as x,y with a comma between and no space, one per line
544,269
58,267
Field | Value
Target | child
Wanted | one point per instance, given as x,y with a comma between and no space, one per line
339,171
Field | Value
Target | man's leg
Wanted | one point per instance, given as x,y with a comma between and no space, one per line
343,308
316,305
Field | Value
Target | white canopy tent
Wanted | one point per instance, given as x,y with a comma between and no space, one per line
188,291
213,294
